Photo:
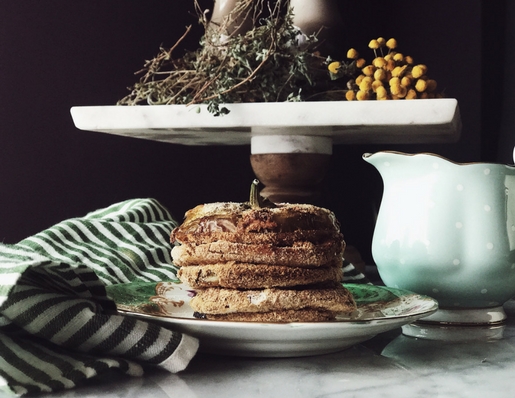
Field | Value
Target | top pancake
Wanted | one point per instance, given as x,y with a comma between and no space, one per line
240,223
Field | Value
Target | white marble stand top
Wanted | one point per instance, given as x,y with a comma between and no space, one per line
391,365
355,122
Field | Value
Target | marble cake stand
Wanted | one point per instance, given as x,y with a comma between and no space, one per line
356,122
291,142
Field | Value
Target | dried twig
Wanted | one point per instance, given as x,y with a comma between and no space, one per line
262,64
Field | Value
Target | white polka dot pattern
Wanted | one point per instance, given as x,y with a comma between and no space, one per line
446,229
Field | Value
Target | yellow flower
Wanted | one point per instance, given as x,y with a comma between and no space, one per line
379,62
381,41
395,88
362,95
381,93
398,71
419,71
376,84
431,85
352,54
421,85
360,63
359,79
380,74
369,70
374,44
390,65
350,95
334,67
409,60
398,57
391,43
395,81
398,90
412,94
366,84
406,81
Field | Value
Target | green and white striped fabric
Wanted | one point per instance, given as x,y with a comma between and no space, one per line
58,328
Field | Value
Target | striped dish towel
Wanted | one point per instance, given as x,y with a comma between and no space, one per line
58,328
352,275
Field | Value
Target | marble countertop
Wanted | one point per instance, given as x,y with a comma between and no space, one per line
389,365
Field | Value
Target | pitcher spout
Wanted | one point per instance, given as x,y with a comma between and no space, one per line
382,158
369,157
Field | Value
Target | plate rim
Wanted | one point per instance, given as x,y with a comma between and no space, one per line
332,324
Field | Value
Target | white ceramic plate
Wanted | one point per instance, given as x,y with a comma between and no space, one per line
379,309
347,122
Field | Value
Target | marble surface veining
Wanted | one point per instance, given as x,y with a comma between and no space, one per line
390,365
346,122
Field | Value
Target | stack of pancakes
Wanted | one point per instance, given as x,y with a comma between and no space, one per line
280,264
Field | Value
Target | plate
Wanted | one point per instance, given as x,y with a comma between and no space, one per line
347,122
379,309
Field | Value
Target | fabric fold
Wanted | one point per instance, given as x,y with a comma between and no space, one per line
58,327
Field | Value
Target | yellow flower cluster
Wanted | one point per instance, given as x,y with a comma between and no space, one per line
389,76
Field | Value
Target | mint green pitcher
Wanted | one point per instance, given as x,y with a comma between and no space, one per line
447,230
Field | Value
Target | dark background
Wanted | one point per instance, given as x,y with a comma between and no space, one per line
58,54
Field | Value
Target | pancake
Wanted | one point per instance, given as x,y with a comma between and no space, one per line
268,238
305,315
243,218
334,299
253,276
300,254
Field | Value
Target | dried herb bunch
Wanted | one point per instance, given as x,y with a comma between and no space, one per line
272,61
